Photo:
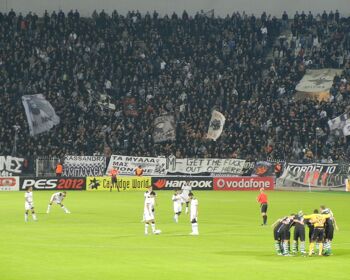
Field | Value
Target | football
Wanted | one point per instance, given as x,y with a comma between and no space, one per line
157,231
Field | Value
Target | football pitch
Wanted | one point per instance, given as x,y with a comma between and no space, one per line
104,238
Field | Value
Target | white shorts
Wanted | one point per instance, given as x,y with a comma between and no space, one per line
56,201
185,199
148,216
28,206
177,207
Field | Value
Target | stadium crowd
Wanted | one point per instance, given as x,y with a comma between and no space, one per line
90,68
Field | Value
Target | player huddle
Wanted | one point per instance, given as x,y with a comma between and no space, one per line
181,197
321,226
56,198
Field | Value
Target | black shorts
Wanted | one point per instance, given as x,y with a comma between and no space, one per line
283,234
299,233
329,232
114,180
317,235
275,233
264,208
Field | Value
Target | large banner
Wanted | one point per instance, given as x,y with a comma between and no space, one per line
177,182
164,129
340,125
206,165
315,175
9,184
243,183
83,166
216,125
320,80
61,184
41,116
124,183
10,166
126,165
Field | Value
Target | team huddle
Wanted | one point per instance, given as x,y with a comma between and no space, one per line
181,197
321,226
56,198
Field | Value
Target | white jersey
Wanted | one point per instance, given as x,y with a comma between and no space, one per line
147,211
57,197
186,189
177,199
29,202
194,208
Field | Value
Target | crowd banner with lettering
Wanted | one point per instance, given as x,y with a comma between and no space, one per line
10,166
206,165
314,175
263,169
126,165
124,183
82,166
164,129
41,116
319,80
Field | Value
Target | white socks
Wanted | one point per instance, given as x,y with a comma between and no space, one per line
48,208
176,218
153,227
65,209
146,228
26,217
195,228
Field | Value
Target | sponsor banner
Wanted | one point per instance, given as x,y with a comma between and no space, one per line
8,184
83,166
125,183
126,165
164,129
10,166
175,182
206,165
347,185
61,184
243,183
216,125
320,80
41,116
315,175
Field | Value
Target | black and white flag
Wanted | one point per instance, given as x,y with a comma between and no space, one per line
216,125
164,129
40,114
340,125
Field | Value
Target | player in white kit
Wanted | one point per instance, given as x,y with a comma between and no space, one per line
148,214
186,189
57,198
29,204
146,195
177,201
194,214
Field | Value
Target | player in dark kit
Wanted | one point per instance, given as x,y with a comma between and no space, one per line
277,237
262,199
284,233
299,233
329,230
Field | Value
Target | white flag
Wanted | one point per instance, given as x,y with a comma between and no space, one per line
40,114
216,125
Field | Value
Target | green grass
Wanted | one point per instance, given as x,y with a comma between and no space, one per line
103,238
